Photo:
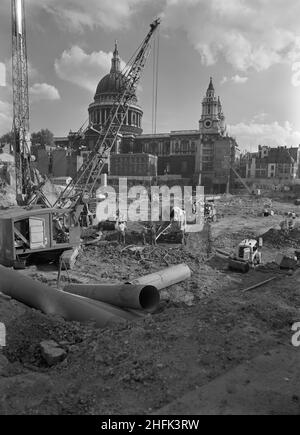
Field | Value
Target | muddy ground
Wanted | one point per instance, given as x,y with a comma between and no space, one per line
204,327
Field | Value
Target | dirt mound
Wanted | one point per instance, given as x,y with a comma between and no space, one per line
278,239
25,334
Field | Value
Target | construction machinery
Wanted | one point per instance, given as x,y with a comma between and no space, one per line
27,231
54,229
21,138
210,211
248,255
33,230
25,234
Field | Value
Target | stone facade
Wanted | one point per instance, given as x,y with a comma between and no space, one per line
280,163
196,155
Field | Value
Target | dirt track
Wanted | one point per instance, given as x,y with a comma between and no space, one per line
204,327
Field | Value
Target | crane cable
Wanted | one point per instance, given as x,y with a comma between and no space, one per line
155,82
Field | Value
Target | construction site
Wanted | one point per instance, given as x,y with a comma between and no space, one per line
116,316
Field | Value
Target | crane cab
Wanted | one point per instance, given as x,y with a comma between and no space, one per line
24,233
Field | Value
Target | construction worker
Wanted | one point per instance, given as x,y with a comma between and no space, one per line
121,228
59,233
178,217
88,216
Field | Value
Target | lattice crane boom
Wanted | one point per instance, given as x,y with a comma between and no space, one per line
20,101
84,182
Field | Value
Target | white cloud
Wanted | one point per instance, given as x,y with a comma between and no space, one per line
2,74
78,14
5,117
296,74
43,91
83,69
272,134
33,74
239,80
261,117
246,33
235,79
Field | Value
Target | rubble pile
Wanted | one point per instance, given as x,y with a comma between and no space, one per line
278,239
31,329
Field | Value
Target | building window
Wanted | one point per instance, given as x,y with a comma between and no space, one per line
184,166
184,146
134,118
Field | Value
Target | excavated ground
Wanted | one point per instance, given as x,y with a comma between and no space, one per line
204,327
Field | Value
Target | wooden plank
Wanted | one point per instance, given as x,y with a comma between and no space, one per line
260,284
17,233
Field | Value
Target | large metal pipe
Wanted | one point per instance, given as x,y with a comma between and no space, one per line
145,297
165,278
56,302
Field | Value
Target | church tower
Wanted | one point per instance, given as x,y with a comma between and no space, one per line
216,146
116,61
212,120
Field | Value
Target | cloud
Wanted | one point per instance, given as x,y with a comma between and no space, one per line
83,69
5,117
77,14
43,91
296,74
248,34
235,79
2,74
239,80
261,117
224,80
33,73
272,134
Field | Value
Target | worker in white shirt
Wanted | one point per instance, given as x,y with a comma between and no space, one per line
121,228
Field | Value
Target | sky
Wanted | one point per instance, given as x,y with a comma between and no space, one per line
251,48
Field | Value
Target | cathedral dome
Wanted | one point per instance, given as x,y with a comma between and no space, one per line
115,81
111,84
109,87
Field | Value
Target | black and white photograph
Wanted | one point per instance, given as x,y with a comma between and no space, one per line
149,210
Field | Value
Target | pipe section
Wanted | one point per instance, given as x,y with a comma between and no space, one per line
56,302
141,297
166,277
